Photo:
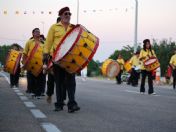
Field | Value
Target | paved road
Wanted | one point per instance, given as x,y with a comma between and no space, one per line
105,107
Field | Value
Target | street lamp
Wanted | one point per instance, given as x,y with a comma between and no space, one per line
77,11
136,27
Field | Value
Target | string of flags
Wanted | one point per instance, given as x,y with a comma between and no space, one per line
6,12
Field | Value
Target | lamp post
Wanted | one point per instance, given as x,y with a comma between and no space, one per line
77,11
136,26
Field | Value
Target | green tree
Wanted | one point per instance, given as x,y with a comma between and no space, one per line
3,53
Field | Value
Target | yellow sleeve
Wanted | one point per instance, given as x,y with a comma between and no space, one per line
123,62
131,60
141,54
171,60
26,48
49,41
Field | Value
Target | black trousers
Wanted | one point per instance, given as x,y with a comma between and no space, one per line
50,84
174,78
134,77
14,79
64,81
36,85
150,81
118,77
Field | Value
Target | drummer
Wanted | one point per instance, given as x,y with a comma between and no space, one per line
134,61
56,33
173,64
14,78
145,54
35,84
121,62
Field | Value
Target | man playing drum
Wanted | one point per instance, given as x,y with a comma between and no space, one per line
14,78
134,61
35,83
145,54
55,35
121,62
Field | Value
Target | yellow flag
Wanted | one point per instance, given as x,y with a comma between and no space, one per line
17,12
50,12
5,12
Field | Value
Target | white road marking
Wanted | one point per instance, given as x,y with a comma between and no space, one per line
37,113
14,88
29,104
7,79
49,127
19,93
130,91
23,98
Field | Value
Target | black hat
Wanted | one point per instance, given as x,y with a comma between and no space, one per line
61,11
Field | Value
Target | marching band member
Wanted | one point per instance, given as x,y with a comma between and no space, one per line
173,65
14,79
145,54
121,62
55,34
134,61
35,84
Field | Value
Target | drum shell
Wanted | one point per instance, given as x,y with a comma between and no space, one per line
80,53
106,68
12,61
153,66
34,61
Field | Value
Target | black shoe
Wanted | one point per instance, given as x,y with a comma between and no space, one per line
76,108
73,109
42,94
58,109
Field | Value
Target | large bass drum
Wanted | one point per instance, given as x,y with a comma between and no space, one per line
75,50
151,64
12,61
110,68
34,61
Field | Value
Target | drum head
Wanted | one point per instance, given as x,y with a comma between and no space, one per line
67,43
113,69
150,61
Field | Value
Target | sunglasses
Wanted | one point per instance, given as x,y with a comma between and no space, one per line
67,14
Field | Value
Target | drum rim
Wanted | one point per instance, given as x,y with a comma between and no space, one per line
91,56
77,39
7,59
118,70
150,58
59,44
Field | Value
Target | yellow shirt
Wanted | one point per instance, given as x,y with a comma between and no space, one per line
134,61
29,46
145,54
56,33
121,63
173,60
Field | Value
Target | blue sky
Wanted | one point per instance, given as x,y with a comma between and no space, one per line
112,21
